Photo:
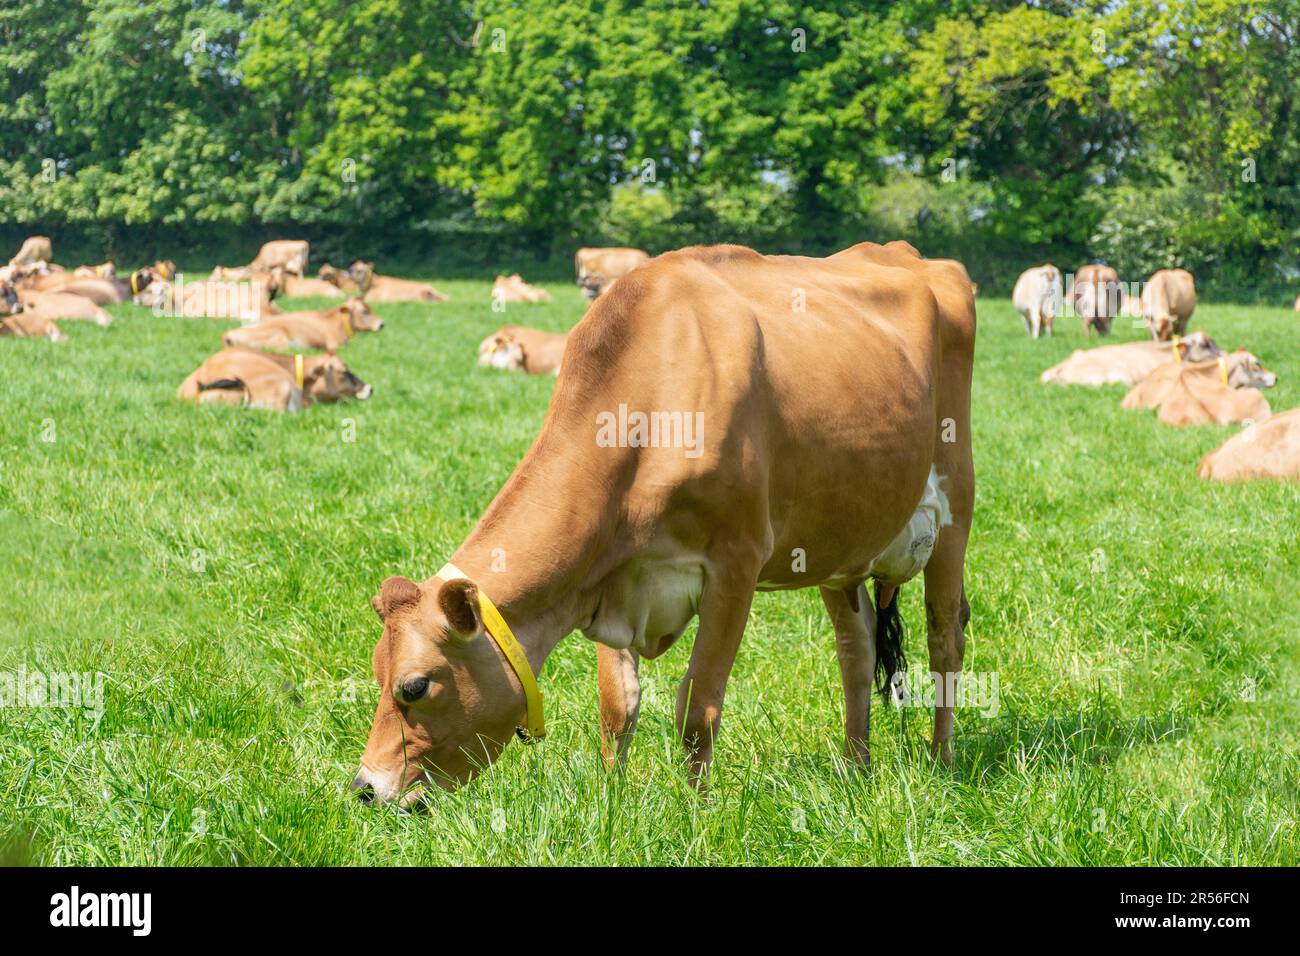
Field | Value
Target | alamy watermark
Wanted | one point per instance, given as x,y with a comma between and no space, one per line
59,690
917,687
654,429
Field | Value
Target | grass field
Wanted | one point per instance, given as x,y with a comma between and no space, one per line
216,566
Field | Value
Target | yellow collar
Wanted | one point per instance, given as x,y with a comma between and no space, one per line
1178,356
347,324
534,727
1223,369
297,370
134,290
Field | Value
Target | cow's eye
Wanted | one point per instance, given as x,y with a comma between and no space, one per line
414,689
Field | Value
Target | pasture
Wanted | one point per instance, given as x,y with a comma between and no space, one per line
216,565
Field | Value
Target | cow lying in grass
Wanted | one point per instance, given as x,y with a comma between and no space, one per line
1128,364
63,305
246,301
1237,369
239,376
513,288
294,286
820,448
1269,449
600,267
105,270
17,321
1221,392
520,349
101,291
320,329
360,278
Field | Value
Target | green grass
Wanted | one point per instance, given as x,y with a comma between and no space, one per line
216,565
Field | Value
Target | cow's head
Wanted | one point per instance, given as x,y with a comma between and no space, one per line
1198,347
592,286
448,703
139,281
363,274
1244,370
164,269
500,350
9,303
361,317
326,379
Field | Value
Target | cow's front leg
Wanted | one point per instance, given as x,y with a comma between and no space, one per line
620,701
855,646
724,610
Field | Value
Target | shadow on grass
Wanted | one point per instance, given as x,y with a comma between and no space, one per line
1097,736
1009,745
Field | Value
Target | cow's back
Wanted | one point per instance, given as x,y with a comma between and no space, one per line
816,381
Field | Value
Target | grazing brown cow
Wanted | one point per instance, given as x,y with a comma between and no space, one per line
1127,364
291,254
1268,449
238,376
1237,369
1168,301
319,329
64,305
1037,296
34,249
703,442
1097,297
599,267
513,288
520,349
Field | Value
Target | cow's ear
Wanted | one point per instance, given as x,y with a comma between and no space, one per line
458,601
395,593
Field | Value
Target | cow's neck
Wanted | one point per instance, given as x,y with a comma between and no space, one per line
534,548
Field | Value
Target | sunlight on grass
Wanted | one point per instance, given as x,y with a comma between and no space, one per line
216,566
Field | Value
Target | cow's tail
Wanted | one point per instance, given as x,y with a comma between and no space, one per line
889,638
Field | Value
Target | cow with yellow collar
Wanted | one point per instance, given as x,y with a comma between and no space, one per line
1237,369
240,376
830,445
318,329
1221,391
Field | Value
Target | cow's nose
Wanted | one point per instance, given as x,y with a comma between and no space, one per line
380,325
365,793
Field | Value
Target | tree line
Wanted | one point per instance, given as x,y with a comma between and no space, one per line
1147,133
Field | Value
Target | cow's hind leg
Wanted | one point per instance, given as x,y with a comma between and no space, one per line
620,701
946,614
854,619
